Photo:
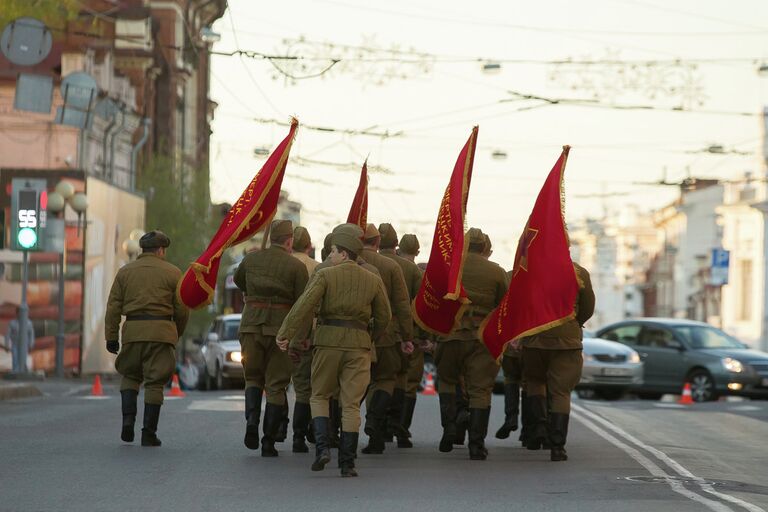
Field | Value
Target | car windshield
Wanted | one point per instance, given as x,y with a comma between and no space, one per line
697,336
230,330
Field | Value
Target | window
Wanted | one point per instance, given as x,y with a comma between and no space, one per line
627,334
707,337
230,330
658,337
745,296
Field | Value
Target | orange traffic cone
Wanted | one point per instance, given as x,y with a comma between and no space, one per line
96,389
686,398
429,386
175,389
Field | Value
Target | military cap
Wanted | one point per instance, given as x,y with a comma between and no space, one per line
487,242
348,236
280,228
371,232
388,235
476,236
154,239
301,239
409,244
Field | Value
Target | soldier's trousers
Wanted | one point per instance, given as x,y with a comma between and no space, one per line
388,365
471,360
553,372
265,366
346,372
401,378
415,373
513,369
149,362
302,374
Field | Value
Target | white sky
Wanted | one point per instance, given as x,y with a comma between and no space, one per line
611,148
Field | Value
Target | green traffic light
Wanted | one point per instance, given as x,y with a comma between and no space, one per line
27,238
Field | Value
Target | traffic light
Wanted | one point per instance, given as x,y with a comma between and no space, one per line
28,198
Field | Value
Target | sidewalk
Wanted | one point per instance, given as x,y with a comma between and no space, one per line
52,386
12,390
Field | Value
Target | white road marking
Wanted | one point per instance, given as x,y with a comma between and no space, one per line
89,397
652,468
216,405
673,464
744,408
233,397
669,406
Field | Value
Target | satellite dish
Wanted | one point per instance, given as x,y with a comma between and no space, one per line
78,90
26,41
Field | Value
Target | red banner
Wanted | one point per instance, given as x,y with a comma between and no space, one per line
543,288
358,213
441,299
252,211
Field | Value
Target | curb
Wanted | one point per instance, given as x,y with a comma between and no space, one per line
13,391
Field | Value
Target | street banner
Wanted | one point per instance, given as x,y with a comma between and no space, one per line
543,289
358,213
253,211
441,299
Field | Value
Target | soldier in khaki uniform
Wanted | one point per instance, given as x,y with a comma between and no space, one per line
462,354
401,409
552,362
144,291
346,298
271,280
390,347
302,415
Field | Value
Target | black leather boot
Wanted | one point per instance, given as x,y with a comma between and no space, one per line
375,422
406,417
149,432
558,433
252,417
273,415
537,436
301,416
394,413
447,420
347,453
525,418
462,416
311,430
128,398
322,448
478,429
334,425
282,429
511,410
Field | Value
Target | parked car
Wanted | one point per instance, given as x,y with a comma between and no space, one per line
610,369
221,353
677,351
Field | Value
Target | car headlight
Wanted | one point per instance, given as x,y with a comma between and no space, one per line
236,356
634,357
589,358
732,365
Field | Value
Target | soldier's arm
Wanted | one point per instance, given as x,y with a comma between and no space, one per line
239,276
586,298
381,312
402,304
114,310
180,314
303,308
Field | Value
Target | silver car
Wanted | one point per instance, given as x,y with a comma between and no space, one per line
221,354
610,369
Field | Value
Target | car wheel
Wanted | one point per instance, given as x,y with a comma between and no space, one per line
649,396
702,386
610,394
221,382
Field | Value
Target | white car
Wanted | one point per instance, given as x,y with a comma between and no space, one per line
610,369
221,354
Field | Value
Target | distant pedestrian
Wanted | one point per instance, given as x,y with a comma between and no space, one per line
19,348
144,292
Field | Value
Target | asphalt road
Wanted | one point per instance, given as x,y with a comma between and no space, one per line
62,452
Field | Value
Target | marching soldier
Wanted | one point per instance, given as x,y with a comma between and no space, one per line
271,280
144,291
302,415
401,408
552,362
513,372
462,354
346,297
397,339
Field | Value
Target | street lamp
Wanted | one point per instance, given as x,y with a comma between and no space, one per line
57,202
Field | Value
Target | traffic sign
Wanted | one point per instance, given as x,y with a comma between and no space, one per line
719,270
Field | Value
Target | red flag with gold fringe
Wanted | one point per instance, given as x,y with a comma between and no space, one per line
441,298
252,211
358,212
543,289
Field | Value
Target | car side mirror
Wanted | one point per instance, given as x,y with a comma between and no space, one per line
212,337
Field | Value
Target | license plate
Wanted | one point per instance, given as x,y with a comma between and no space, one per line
616,372
765,383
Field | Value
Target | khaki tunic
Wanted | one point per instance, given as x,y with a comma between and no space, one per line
308,262
397,292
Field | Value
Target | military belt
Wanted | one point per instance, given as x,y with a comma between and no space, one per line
338,322
168,318
266,305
